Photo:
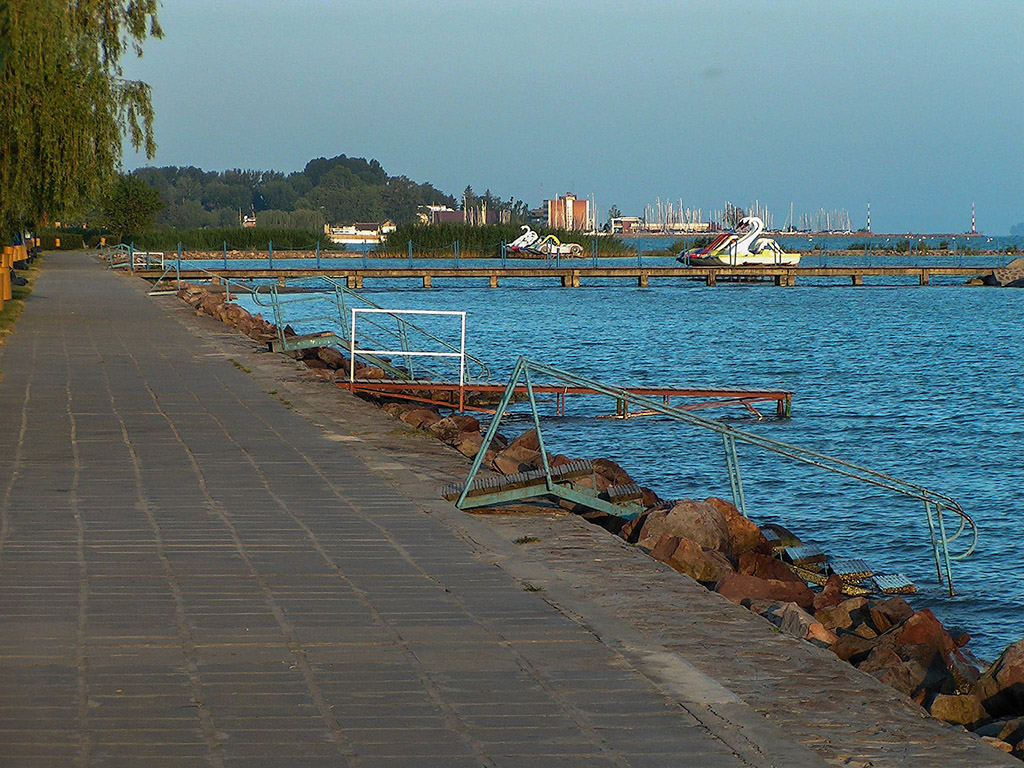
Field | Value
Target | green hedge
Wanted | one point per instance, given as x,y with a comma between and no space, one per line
74,240
237,239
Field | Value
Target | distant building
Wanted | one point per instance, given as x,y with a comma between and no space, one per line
569,212
637,225
360,233
474,214
625,225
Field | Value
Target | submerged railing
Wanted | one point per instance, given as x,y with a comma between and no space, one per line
937,505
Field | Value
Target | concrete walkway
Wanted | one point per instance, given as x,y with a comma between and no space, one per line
193,573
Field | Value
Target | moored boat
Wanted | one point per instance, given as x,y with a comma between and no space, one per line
743,247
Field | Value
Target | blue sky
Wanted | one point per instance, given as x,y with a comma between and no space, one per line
914,106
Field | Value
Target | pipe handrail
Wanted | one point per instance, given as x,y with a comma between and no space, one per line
942,502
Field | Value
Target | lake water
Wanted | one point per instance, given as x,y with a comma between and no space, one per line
920,382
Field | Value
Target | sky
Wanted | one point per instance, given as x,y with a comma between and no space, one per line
915,107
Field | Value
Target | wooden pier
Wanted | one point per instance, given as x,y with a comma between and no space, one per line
573,276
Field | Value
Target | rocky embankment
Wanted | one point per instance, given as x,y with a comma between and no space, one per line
1010,276
712,543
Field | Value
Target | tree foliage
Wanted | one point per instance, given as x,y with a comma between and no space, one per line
130,206
65,104
338,190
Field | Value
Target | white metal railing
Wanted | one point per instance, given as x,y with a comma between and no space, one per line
353,351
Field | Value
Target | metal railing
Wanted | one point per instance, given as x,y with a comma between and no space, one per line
382,328
409,355
937,505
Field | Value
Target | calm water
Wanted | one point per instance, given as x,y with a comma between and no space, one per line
922,383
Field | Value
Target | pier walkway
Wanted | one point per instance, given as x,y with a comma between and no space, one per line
210,558
571,276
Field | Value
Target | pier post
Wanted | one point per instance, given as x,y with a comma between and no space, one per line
857,279
710,280
426,281
494,281
642,280
281,281
923,277
354,281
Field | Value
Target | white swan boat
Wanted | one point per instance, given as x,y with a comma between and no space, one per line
532,243
743,247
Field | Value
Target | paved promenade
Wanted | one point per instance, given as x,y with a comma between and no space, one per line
210,558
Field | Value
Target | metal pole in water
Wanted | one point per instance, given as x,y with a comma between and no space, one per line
455,247
318,254
945,548
177,267
410,251
270,253
364,255
934,540
503,254
225,254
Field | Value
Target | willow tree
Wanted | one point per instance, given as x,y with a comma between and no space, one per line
65,106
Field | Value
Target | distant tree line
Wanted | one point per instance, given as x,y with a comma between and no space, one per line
339,190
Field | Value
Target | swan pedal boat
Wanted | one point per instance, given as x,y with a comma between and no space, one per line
743,247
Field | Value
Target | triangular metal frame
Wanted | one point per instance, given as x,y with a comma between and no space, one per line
934,501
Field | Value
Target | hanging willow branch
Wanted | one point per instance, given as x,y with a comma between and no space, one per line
64,106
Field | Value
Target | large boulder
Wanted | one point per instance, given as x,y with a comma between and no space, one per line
1001,688
889,613
744,534
697,562
963,709
611,472
1011,275
845,615
420,418
529,440
697,521
633,529
516,458
450,428
397,409
855,649
1008,729
739,587
765,567
922,639
333,358
831,594
794,620
468,443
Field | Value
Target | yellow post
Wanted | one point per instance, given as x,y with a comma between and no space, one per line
56,242
5,272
